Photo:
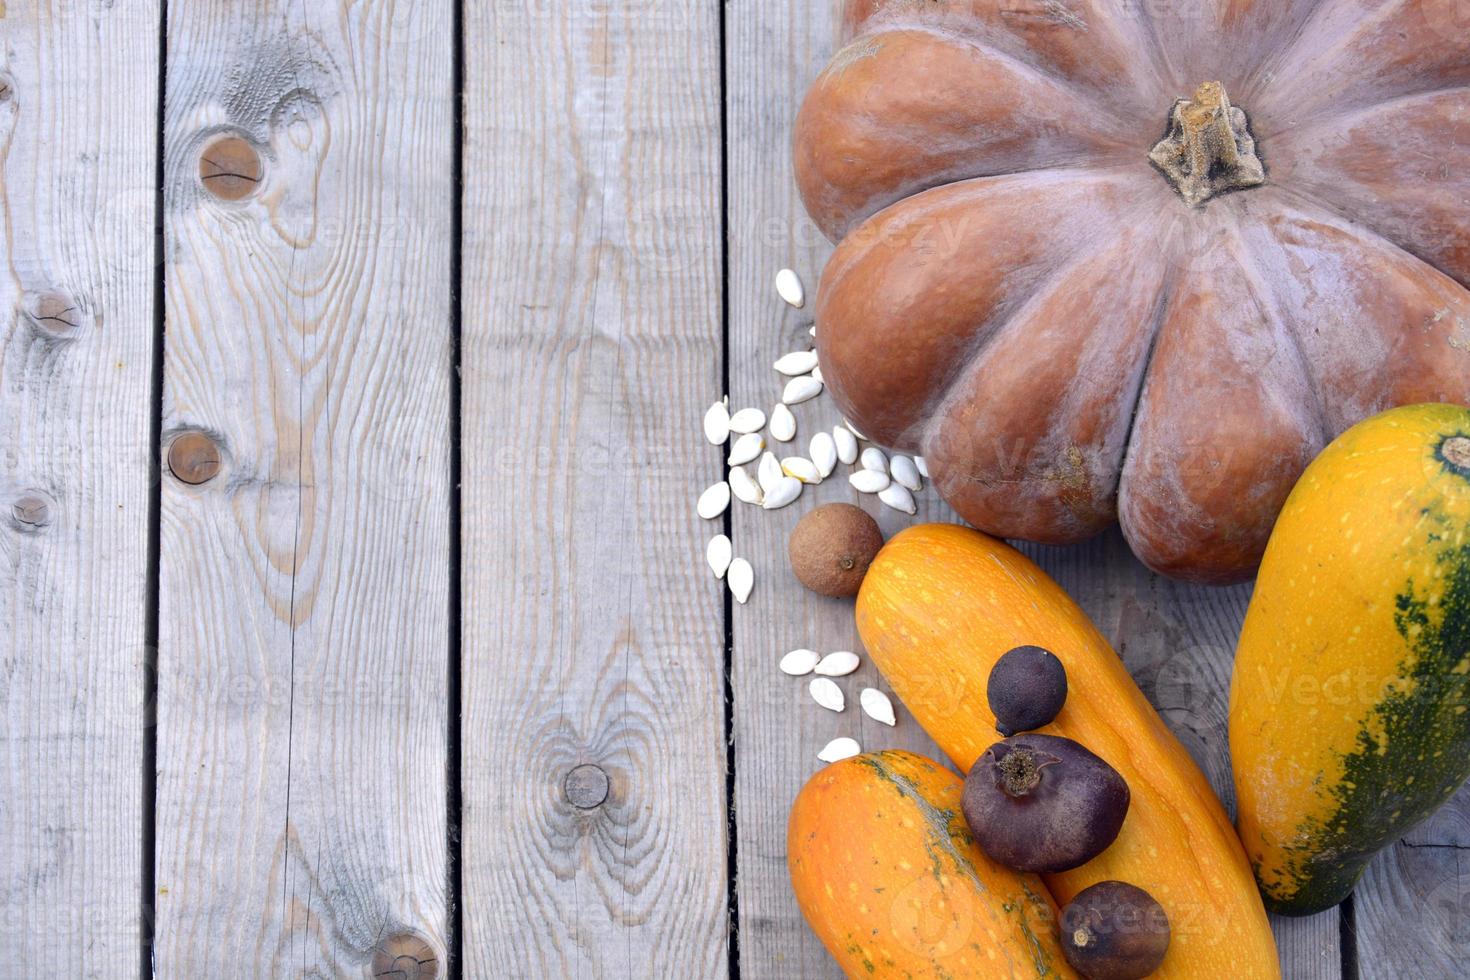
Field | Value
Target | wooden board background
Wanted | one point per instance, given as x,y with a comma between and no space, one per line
454,357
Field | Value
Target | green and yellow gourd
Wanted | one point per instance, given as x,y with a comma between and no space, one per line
1350,703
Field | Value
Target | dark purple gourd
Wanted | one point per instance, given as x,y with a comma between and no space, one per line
1114,931
1043,803
1026,690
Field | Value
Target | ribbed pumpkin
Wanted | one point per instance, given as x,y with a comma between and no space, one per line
1077,321
891,881
1350,704
939,607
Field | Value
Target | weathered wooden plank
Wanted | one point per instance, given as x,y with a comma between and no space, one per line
78,96
773,50
592,345
1177,640
304,589
1413,904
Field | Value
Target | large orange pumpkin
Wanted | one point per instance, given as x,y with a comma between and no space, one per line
1124,260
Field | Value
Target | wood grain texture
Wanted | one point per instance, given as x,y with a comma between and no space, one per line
304,590
592,630
1413,904
78,87
1177,640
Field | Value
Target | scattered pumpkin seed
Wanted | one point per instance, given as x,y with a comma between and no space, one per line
873,459
748,420
746,448
922,466
769,473
784,493
823,451
839,749
714,501
789,288
905,473
855,430
799,663
719,554
838,664
801,389
817,375
783,423
801,468
717,423
869,481
797,363
826,693
899,498
741,579
847,447
877,706
745,487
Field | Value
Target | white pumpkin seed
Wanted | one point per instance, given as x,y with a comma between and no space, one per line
899,498
769,473
745,487
748,420
714,501
855,430
813,330
783,493
877,706
799,663
796,363
826,693
719,554
905,473
839,749
746,448
823,451
838,664
801,468
817,375
788,287
869,481
873,459
741,578
922,466
717,424
783,423
847,447
801,389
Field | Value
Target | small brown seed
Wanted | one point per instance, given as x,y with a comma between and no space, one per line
54,312
586,787
405,956
230,169
193,458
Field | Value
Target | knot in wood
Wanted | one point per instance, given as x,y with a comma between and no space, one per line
230,169
405,956
54,313
31,512
586,787
193,458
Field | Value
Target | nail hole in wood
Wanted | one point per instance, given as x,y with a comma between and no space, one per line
230,169
54,313
193,458
405,956
32,512
7,89
586,787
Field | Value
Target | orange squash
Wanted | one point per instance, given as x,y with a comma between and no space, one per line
890,880
940,605
1076,322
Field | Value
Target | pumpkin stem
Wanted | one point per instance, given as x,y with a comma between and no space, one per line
1020,770
1209,149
